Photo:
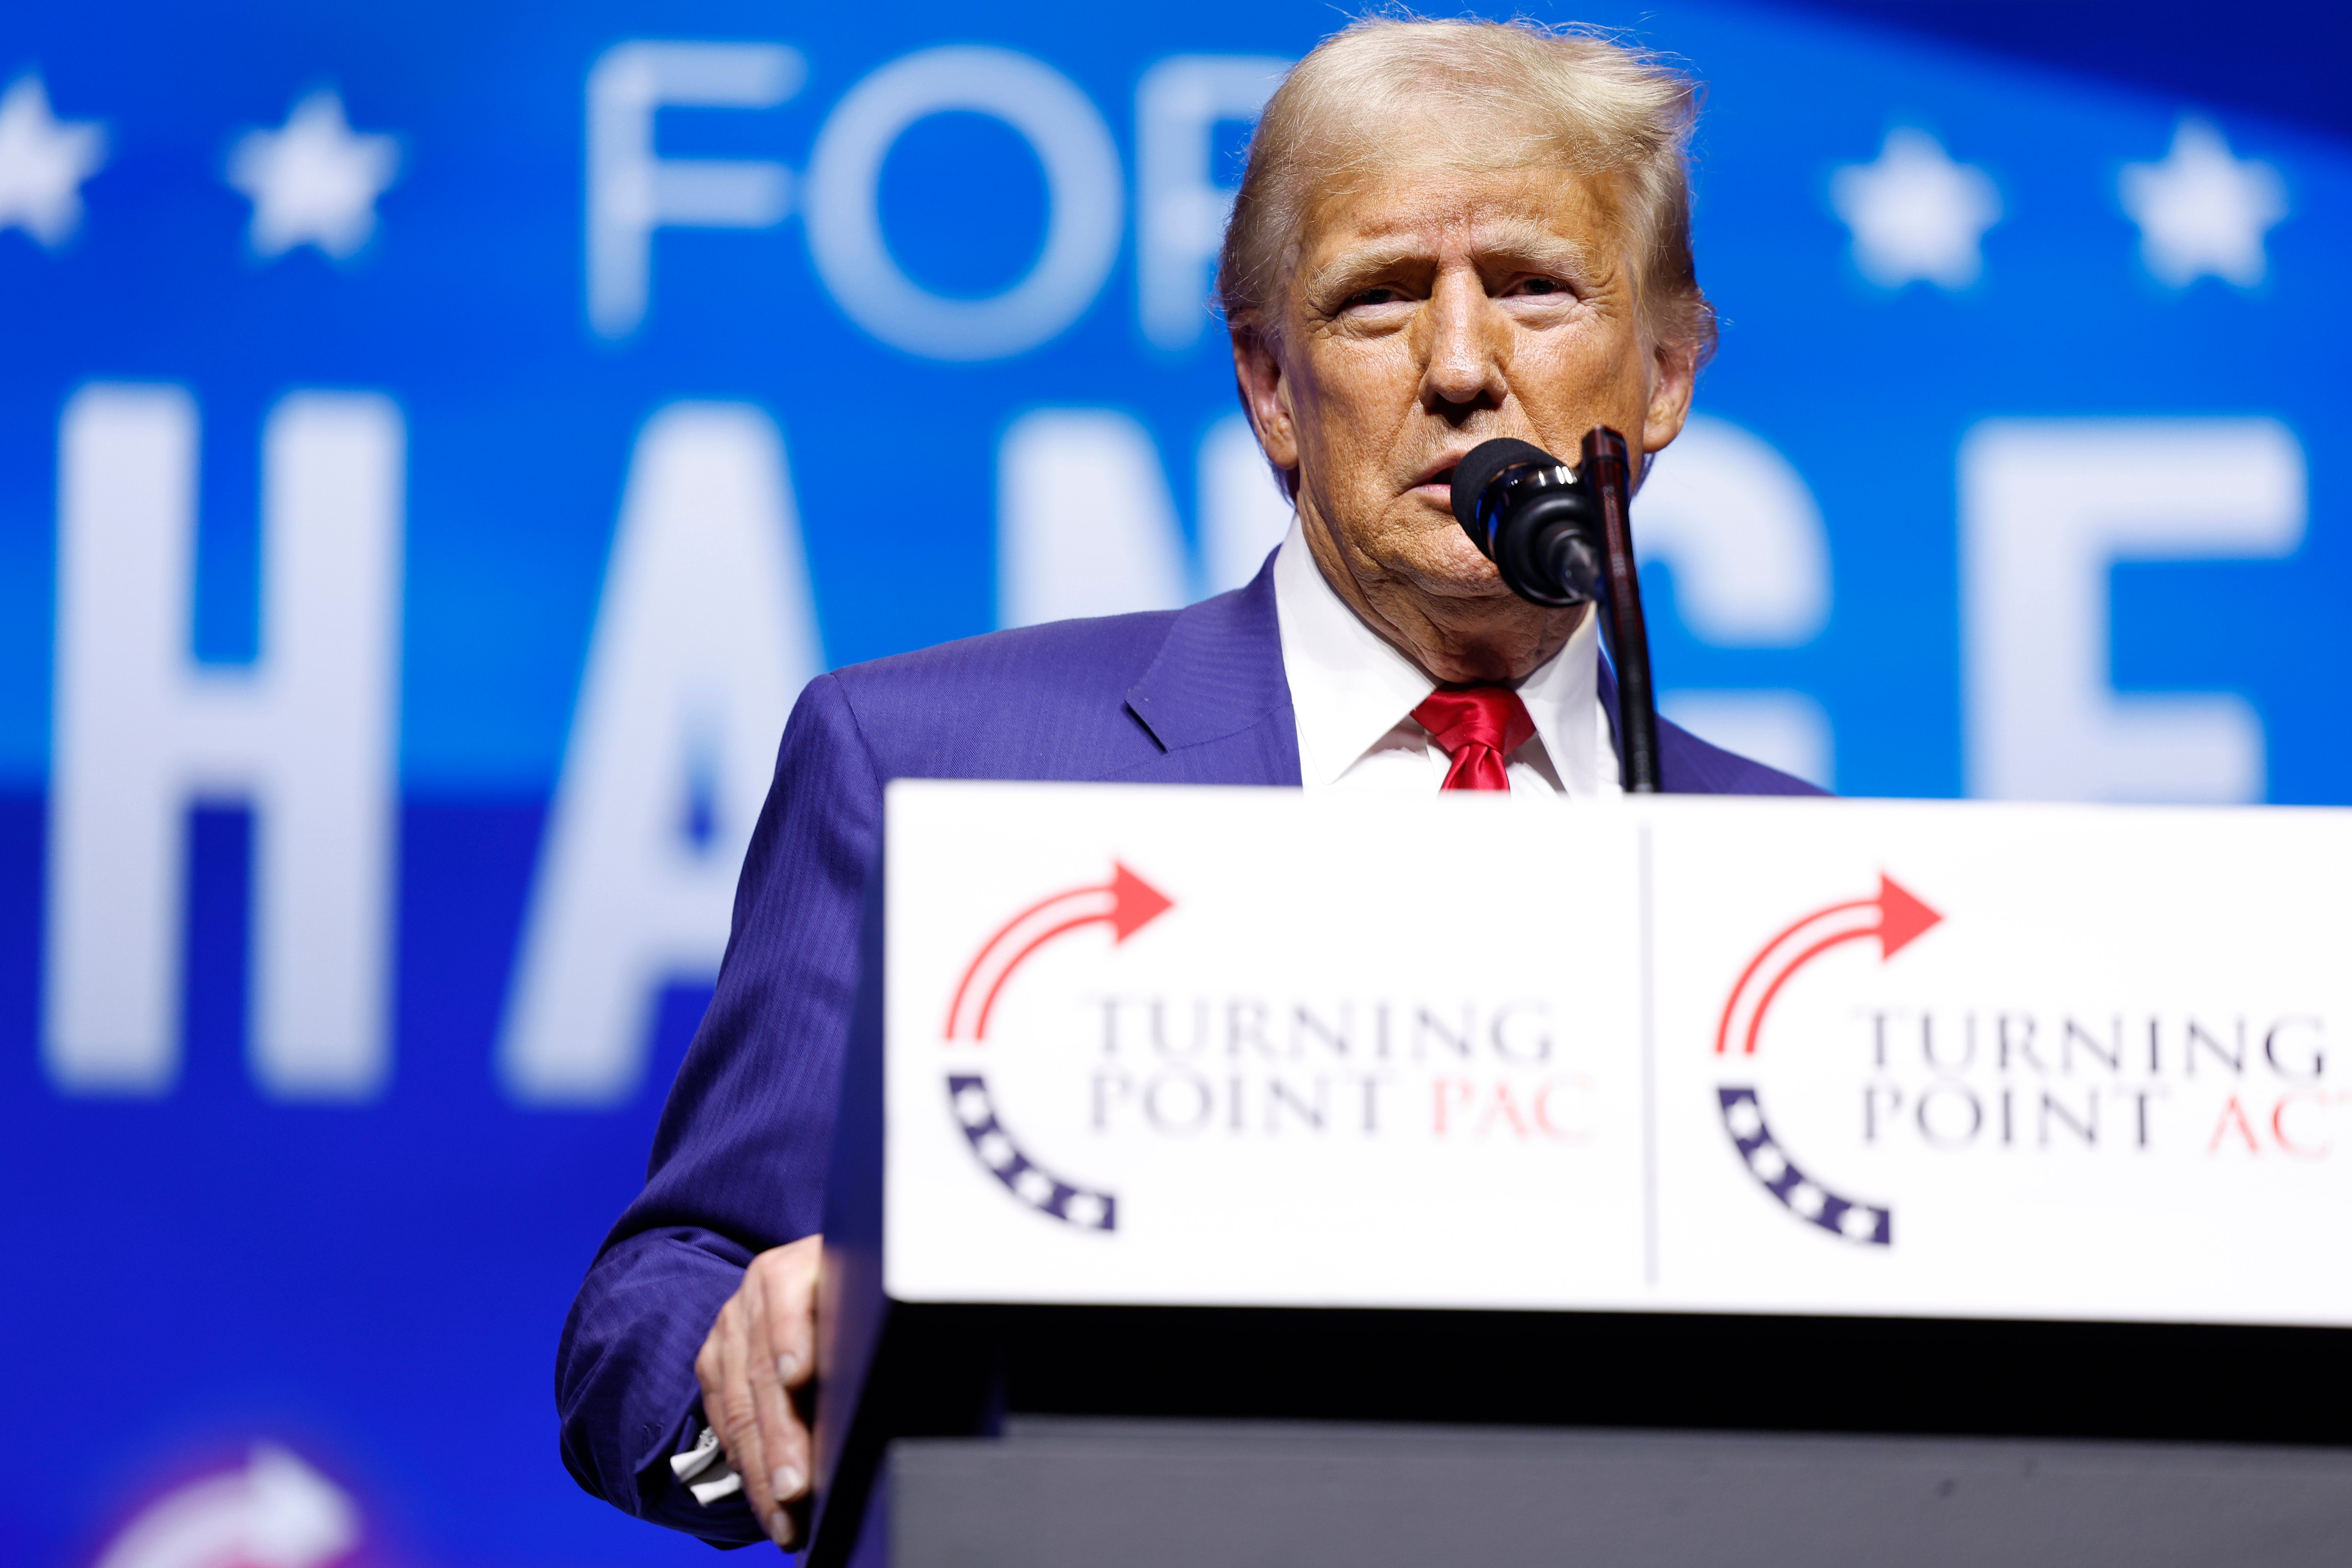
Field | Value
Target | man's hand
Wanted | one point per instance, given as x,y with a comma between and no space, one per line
757,1359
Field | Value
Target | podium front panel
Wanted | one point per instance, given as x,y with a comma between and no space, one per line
1257,1048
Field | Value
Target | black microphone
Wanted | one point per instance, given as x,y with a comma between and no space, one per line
1558,536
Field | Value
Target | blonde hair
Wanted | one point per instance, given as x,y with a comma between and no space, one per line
1526,94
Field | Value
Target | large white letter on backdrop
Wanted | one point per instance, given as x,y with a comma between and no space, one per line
1083,197
1741,531
1084,525
705,634
2047,506
1180,206
306,733
631,192
1740,528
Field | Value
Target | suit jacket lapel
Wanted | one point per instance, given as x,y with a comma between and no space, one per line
1217,702
1217,698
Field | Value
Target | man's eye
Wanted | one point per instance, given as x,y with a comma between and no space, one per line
1540,286
1381,296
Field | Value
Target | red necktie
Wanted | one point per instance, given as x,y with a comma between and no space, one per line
1478,727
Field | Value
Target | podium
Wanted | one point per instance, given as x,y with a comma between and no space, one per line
1236,1176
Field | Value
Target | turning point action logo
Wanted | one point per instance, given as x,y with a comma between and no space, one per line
1126,903
1896,918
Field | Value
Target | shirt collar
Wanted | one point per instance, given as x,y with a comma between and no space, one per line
1350,689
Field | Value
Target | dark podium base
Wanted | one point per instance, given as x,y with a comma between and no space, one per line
1088,1493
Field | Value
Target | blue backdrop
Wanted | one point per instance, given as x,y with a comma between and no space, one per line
552,326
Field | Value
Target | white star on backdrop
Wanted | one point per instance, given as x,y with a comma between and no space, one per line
315,181
43,162
2201,210
1915,213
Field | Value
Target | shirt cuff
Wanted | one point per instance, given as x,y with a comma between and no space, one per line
704,1471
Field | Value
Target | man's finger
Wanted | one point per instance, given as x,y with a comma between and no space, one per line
791,1320
737,1419
783,1439
785,1339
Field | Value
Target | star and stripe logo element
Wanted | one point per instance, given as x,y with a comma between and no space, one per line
1126,903
1894,918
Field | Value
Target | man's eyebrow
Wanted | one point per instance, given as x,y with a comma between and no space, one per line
1519,240
1371,258
1507,239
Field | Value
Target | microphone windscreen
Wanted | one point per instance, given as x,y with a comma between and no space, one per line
1476,470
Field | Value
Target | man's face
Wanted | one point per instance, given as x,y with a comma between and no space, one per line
1433,309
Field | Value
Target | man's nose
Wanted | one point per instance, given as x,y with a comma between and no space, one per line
1464,364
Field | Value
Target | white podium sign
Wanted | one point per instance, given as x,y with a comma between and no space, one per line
1249,1047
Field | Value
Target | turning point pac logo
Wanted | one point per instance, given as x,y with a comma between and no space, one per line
1126,903
1897,919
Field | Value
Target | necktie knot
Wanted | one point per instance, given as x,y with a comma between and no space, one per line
1479,726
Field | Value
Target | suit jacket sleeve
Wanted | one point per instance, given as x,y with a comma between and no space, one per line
739,1156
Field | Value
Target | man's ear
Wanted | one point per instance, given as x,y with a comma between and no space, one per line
1673,378
1266,394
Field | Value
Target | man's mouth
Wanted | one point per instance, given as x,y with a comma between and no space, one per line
1439,478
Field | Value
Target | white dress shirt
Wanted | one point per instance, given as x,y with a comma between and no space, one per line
1354,697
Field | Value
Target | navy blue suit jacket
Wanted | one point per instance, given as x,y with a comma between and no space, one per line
1195,696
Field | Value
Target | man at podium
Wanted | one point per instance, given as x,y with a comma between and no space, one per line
1448,232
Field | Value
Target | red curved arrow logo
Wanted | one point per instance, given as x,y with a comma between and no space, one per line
1126,903
1896,917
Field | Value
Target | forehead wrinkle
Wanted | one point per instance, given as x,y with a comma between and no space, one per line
1523,238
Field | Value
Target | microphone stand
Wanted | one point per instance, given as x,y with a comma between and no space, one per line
1608,470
